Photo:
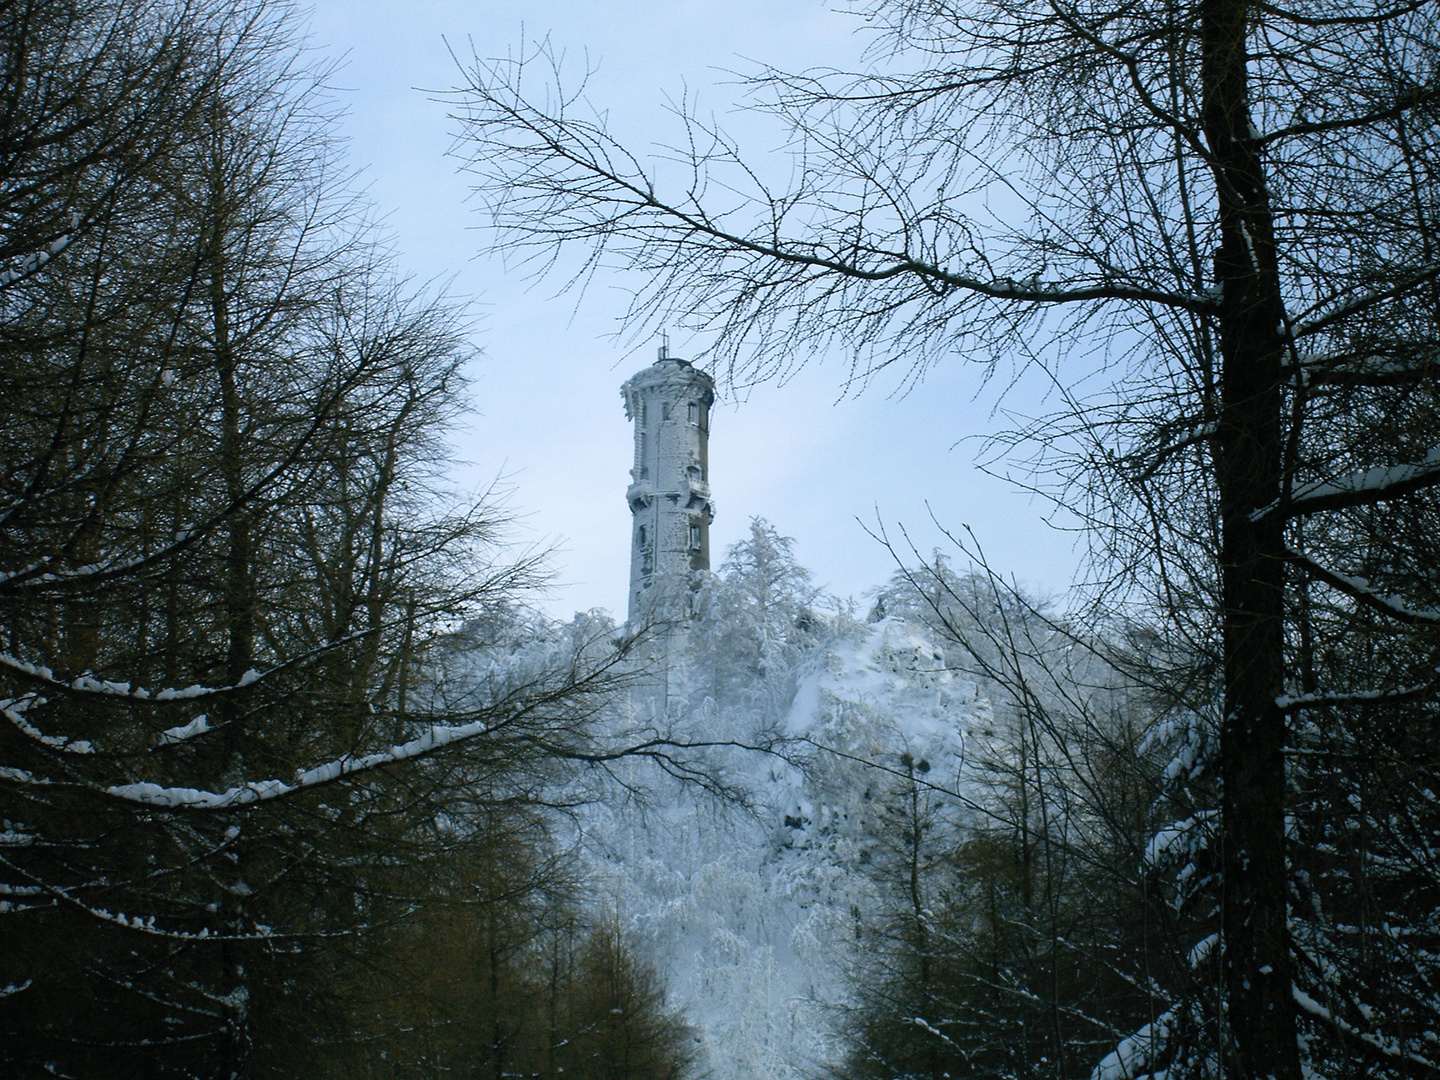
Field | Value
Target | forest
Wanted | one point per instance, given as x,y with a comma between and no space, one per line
297,781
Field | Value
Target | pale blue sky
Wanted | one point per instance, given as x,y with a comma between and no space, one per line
548,410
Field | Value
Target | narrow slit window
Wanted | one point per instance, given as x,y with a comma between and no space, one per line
695,413
695,536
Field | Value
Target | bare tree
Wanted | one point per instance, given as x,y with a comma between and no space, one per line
1234,201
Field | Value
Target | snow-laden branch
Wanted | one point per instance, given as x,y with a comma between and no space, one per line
143,924
1186,836
1363,487
1201,951
1364,368
182,732
436,738
21,891
1172,444
257,791
1359,589
1135,1053
1389,1049
36,574
89,684
14,710
1321,699
930,1029
28,264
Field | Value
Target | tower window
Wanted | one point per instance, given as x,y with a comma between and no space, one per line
695,413
694,536
665,411
641,536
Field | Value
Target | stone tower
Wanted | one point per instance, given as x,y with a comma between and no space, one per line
669,494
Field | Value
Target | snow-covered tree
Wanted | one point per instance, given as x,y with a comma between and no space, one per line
755,621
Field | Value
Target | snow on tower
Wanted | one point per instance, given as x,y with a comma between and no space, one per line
669,494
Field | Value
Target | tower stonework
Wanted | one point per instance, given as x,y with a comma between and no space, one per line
669,495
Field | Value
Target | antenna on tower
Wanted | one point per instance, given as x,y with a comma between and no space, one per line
664,345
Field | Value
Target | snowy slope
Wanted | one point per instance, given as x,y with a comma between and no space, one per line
751,916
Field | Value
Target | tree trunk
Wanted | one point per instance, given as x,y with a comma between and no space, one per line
1255,934
239,620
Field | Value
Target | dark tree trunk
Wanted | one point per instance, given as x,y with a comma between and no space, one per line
1255,936
239,621
239,587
